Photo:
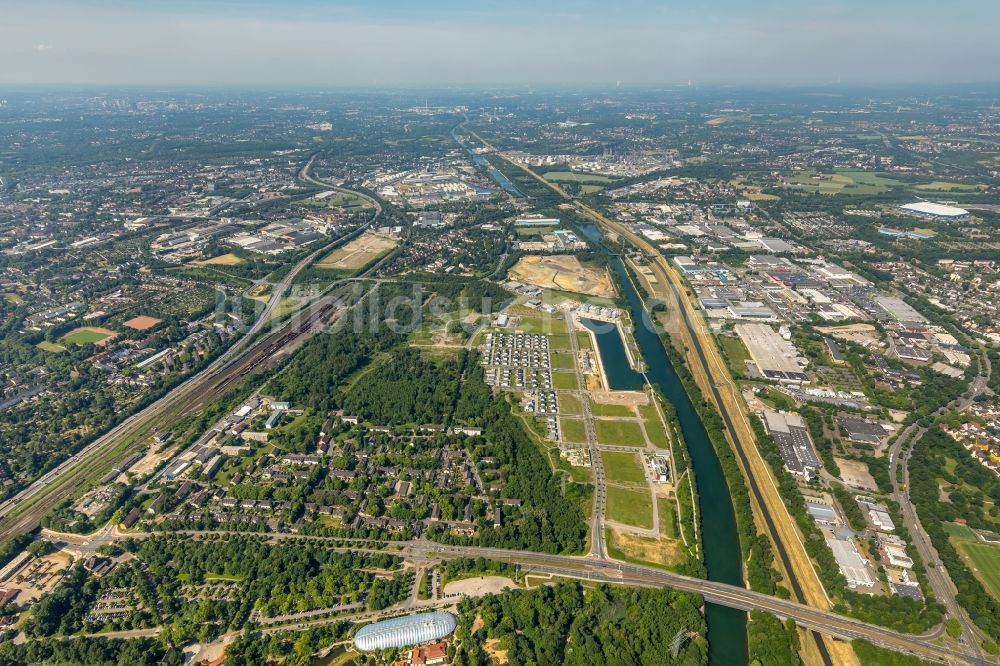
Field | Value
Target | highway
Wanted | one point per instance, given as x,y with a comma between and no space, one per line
586,568
899,475
23,512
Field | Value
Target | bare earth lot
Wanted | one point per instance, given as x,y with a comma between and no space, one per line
563,272
358,253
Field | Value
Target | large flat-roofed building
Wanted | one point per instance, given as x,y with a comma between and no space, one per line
850,563
899,309
929,209
775,357
405,631
790,434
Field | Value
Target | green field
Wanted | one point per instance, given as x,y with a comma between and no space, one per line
668,518
982,558
528,232
570,404
565,380
622,467
841,182
737,354
632,507
572,430
985,561
654,426
559,341
611,410
583,340
563,361
82,336
959,531
45,345
622,433
540,325
575,177
946,186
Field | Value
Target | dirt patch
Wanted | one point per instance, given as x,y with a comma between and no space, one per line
497,655
358,253
563,272
626,398
863,334
856,474
480,585
658,551
142,322
39,576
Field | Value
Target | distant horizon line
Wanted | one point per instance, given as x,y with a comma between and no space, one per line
502,86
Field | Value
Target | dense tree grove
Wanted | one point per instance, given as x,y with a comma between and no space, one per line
313,378
274,578
90,652
926,467
406,389
773,642
566,624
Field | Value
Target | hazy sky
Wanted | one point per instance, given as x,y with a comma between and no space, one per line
441,42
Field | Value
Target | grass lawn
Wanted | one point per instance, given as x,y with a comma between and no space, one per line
985,561
611,410
559,341
563,361
570,404
737,354
632,507
539,325
572,430
654,426
575,176
565,380
83,336
668,518
583,340
945,186
622,433
959,531
623,467
45,345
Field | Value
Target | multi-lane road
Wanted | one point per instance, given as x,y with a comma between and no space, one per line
899,475
424,553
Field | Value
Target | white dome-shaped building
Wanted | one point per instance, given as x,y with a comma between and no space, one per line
405,631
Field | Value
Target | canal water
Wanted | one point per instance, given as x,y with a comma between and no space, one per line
480,161
720,539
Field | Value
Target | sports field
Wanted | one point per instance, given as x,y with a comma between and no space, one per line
358,253
89,335
564,272
222,260
142,322
45,345
982,558
632,507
